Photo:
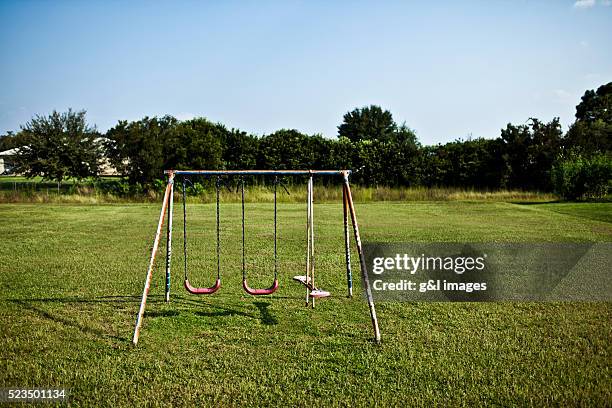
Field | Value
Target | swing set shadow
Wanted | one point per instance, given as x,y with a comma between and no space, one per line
56,317
60,317
265,317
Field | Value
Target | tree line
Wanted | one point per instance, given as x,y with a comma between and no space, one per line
536,155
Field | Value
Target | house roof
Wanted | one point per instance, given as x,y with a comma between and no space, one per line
10,152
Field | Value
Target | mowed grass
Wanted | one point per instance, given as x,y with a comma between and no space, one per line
72,277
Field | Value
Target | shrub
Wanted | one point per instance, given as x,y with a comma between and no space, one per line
578,177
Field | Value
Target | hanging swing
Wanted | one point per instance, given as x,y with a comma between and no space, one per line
191,289
245,285
308,280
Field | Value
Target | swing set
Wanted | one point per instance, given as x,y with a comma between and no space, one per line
308,280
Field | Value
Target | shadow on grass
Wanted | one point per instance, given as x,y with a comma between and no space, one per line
222,310
163,313
29,304
266,317
536,202
54,317
76,299
583,201
225,312
219,310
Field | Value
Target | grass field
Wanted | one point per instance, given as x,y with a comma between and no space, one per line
72,276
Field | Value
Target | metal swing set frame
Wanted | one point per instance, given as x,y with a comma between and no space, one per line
308,280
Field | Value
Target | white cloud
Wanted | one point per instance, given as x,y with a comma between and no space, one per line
584,44
584,4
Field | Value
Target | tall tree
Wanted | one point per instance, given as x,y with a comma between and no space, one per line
285,149
194,144
530,151
240,150
137,148
464,163
367,123
596,105
58,146
9,141
592,131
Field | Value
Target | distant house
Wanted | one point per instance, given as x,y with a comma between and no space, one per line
6,164
105,167
6,160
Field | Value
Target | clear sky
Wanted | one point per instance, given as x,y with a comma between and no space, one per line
447,68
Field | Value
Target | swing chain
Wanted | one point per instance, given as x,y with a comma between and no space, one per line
282,184
276,182
185,180
241,185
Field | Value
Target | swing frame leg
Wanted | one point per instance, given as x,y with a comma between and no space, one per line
347,247
169,240
308,226
147,285
362,262
311,270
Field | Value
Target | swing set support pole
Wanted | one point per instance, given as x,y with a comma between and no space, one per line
169,239
308,253
347,246
362,262
147,285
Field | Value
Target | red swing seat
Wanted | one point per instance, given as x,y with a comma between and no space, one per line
257,292
202,291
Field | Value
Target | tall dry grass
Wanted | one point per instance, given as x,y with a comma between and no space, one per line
295,194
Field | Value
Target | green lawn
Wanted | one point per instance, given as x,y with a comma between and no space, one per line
72,277
593,211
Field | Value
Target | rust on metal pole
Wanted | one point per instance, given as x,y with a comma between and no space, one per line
362,262
169,239
347,246
147,285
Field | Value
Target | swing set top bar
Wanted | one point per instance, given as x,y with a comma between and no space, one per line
261,172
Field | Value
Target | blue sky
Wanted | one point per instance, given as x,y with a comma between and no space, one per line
448,69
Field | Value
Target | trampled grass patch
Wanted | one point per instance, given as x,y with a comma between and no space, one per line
72,276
